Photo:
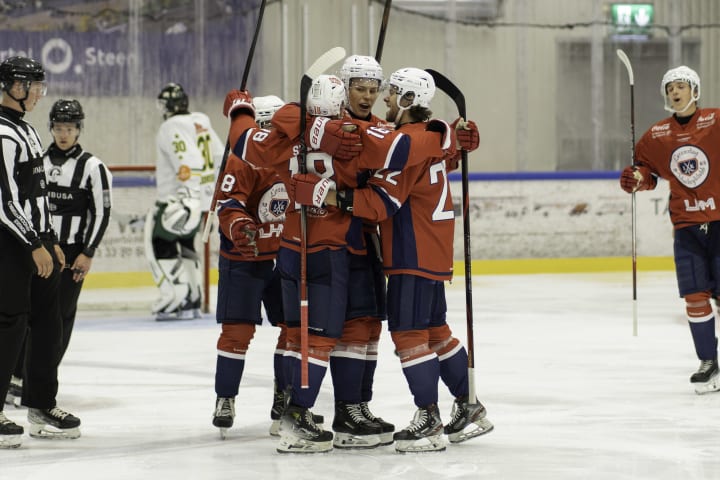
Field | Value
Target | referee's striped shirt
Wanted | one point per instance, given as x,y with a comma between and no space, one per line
80,194
24,208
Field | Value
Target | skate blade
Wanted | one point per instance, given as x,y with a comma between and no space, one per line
10,441
348,440
712,385
433,443
299,445
387,438
52,433
479,427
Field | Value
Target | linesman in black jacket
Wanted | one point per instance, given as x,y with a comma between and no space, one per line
80,194
30,260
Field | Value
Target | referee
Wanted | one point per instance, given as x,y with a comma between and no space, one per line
30,258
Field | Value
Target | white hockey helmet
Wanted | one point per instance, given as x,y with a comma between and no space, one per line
326,97
361,66
415,84
265,108
681,74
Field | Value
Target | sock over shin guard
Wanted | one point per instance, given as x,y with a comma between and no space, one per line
702,324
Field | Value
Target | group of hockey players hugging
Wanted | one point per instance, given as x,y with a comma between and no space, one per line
356,210
359,204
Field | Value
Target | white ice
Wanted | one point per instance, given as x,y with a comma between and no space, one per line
572,393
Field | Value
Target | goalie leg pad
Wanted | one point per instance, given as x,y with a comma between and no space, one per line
172,282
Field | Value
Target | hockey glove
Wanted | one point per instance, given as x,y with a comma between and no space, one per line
242,233
237,101
333,137
309,189
635,179
468,137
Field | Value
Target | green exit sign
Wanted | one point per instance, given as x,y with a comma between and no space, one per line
632,19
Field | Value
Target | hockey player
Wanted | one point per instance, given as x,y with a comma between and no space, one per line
187,150
683,149
30,260
416,215
363,79
252,204
79,190
332,240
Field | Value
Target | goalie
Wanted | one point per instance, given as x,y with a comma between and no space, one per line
187,151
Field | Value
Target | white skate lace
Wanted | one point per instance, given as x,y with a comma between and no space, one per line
224,408
419,421
355,411
4,420
705,366
365,409
57,413
458,413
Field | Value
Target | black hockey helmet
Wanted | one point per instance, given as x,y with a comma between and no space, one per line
66,111
21,69
173,99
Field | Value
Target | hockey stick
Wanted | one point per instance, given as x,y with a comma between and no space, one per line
626,61
325,61
452,91
212,213
383,29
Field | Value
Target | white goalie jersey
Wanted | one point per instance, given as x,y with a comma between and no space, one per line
188,153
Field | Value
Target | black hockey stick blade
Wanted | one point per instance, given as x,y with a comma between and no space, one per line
450,89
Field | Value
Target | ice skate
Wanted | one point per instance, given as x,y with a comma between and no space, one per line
707,377
386,429
424,434
277,409
224,415
468,421
14,393
300,434
10,432
352,429
53,423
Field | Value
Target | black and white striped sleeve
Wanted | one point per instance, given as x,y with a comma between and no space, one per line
100,186
12,214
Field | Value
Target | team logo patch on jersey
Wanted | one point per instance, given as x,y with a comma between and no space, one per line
690,165
184,173
54,174
272,204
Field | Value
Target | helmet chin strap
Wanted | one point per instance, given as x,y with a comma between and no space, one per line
21,101
401,110
690,102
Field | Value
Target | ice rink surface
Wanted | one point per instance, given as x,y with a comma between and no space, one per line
572,393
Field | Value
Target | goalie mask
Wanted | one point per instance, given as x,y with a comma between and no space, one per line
326,97
681,74
66,111
265,108
361,66
172,100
